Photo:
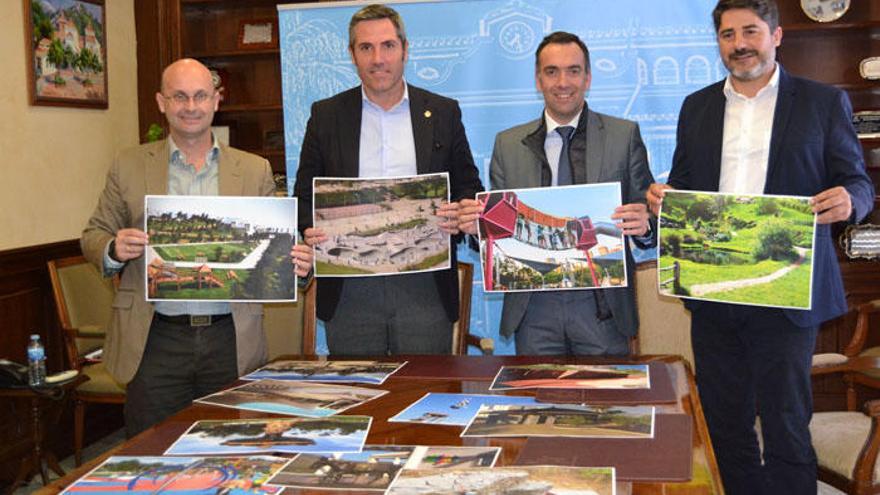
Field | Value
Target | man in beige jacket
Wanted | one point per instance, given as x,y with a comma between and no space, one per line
169,353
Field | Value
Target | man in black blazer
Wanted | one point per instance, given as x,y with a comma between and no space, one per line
765,131
386,128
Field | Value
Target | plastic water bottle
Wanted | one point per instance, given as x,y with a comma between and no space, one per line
36,362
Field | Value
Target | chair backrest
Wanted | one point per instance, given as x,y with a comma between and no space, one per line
459,329
664,323
84,301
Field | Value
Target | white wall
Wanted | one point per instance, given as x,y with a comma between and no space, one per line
53,159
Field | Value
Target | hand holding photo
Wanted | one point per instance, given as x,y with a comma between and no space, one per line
737,248
551,238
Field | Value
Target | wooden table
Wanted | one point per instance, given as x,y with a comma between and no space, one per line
43,407
450,374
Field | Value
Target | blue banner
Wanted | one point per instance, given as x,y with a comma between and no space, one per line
646,56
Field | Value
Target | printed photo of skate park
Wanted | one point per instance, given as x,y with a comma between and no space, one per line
743,249
551,238
220,248
382,226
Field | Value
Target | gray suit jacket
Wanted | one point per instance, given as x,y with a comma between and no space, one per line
603,149
135,173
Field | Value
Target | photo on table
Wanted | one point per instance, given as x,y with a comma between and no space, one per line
373,469
737,248
452,409
372,372
562,420
386,226
551,238
220,248
309,399
508,479
573,376
179,475
287,435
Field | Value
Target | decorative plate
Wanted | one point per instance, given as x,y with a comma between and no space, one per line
825,10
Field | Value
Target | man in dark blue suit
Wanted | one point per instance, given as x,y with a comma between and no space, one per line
762,130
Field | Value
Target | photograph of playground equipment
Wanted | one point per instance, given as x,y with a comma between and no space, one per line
382,226
551,238
179,475
742,249
220,248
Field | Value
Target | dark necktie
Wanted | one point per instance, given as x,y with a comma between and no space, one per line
564,178
563,172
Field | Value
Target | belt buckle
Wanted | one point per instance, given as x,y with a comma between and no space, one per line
199,320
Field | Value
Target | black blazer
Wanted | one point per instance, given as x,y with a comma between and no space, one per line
813,147
331,148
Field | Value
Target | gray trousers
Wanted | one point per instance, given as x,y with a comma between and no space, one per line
180,363
565,323
399,314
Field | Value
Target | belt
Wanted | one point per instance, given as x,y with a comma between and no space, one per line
193,320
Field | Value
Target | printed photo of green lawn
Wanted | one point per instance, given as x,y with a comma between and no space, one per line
743,249
212,248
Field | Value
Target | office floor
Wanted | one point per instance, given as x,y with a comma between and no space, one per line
89,452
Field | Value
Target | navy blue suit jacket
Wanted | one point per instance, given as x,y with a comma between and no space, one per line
813,147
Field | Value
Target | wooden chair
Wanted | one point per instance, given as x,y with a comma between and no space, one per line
84,300
461,337
847,442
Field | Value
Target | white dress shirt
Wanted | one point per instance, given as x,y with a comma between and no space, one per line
748,126
553,143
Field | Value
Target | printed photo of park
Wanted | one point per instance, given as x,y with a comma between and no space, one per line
551,238
220,248
743,249
382,226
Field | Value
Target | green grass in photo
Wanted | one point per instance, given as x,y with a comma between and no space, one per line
429,262
221,252
324,268
790,290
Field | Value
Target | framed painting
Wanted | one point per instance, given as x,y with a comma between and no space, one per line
67,52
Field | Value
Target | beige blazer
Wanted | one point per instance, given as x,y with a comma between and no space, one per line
135,173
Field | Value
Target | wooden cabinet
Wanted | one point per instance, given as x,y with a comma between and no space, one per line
830,53
212,31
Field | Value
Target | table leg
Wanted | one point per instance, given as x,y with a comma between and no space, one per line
38,440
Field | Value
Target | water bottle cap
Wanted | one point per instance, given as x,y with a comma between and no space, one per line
35,336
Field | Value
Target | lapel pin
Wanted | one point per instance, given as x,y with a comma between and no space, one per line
427,114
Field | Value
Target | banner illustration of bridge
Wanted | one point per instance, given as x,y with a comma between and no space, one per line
551,239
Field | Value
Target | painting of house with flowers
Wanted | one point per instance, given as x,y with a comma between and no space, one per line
67,42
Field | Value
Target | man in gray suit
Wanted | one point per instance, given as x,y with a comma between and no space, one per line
169,353
570,144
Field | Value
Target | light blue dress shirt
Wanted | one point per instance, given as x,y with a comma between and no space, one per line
387,146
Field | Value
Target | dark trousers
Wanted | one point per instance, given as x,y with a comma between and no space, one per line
565,323
180,363
400,314
754,360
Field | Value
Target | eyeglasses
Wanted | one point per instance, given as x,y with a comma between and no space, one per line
183,98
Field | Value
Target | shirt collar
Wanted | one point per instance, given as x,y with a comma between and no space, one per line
176,155
772,85
552,124
404,98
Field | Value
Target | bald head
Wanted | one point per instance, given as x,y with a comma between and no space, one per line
188,99
188,69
